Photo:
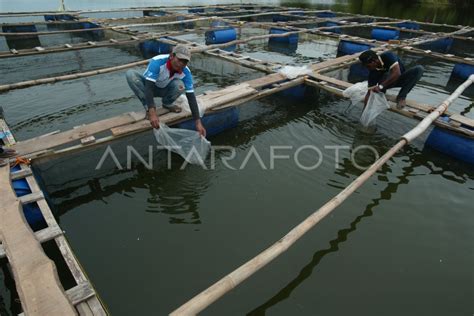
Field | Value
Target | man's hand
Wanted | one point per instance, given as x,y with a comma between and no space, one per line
366,99
376,89
154,120
200,128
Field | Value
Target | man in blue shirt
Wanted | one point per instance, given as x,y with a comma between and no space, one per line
167,76
387,71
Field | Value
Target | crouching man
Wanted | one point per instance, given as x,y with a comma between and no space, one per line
386,71
167,76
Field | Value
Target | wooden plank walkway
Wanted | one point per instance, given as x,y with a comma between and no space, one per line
36,279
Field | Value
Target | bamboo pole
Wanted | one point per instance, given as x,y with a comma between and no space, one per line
423,125
69,47
161,8
210,295
46,22
63,48
116,27
448,57
11,14
273,12
168,23
29,83
20,14
7,34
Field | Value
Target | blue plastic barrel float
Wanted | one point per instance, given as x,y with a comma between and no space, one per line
409,25
357,72
442,45
21,41
59,17
300,13
96,34
153,13
220,36
152,48
330,23
32,211
381,34
196,10
348,48
451,143
291,39
19,28
326,14
282,47
280,18
462,71
215,123
297,92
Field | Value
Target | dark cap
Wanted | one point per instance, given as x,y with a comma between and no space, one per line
367,56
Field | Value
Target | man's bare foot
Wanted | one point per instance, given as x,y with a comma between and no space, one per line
401,104
172,108
7,153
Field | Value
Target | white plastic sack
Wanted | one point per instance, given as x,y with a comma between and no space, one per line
188,144
356,92
182,102
376,104
292,72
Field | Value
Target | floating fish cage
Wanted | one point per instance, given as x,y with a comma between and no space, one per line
77,63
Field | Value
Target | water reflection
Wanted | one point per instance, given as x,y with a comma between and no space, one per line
458,13
415,160
342,236
173,192
9,302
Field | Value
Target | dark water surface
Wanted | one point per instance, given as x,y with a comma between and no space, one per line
150,239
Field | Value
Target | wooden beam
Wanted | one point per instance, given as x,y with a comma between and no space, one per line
69,47
32,197
42,236
47,22
84,309
35,274
80,293
21,174
7,34
33,145
449,57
